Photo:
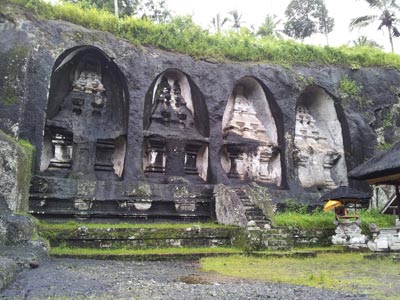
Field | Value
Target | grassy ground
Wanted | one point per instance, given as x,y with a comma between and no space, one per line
348,272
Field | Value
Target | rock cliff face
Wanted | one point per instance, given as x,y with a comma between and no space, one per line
167,117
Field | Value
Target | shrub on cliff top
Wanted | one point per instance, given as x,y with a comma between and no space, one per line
182,35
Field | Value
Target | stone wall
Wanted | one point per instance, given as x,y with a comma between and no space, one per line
46,43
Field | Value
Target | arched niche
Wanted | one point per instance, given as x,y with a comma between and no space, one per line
87,116
176,128
251,150
319,156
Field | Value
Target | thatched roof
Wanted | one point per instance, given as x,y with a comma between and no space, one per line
345,193
381,165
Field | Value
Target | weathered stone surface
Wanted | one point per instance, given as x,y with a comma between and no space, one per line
228,208
8,271
348,233
15,173
46,43
385,239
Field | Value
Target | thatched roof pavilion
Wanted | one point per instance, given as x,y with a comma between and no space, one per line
383,168
345,194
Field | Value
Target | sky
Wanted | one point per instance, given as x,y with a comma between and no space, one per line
254,12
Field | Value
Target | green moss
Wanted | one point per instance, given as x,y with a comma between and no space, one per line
74,225
24,156
63,250
11,63
25,164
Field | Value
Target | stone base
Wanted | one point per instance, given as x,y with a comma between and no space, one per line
386,239
348,233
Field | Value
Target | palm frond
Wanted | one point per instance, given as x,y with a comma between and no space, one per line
376,3
395,32
362,21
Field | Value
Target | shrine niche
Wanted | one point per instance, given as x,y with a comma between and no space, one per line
318,154
87,115
251,150
176,129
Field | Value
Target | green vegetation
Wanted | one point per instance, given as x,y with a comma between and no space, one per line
72,225
324,220
348,272
182,35
317,219
349,89
25,164
63,250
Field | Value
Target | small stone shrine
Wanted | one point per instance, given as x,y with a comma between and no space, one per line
318,146
251,147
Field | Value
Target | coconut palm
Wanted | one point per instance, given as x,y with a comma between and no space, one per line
217,22
236,19
269,27
386,17
364,41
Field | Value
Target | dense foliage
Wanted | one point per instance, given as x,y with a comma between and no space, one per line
306,17
182,35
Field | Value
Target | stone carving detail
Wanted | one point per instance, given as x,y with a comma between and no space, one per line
254,156
348,233
85,127
313,156
173,144
155,159
170,108
62,155
385,239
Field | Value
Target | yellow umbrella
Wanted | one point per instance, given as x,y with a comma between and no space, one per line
331,204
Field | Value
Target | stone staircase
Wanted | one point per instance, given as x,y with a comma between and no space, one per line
254,215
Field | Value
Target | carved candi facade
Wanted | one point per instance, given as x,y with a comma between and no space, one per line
176,142
86,124
251,150
96,162
318,154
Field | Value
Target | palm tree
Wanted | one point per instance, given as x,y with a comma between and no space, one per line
269,27
386,17
236,19
364,41
218,22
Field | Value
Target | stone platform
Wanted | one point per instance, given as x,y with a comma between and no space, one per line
52,197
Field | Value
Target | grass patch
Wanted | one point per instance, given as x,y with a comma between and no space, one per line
317,219
348,272
182,35
324,220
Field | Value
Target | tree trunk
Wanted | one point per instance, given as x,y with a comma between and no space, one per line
390,39
116,8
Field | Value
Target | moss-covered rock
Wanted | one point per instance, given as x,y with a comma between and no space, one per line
15,172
